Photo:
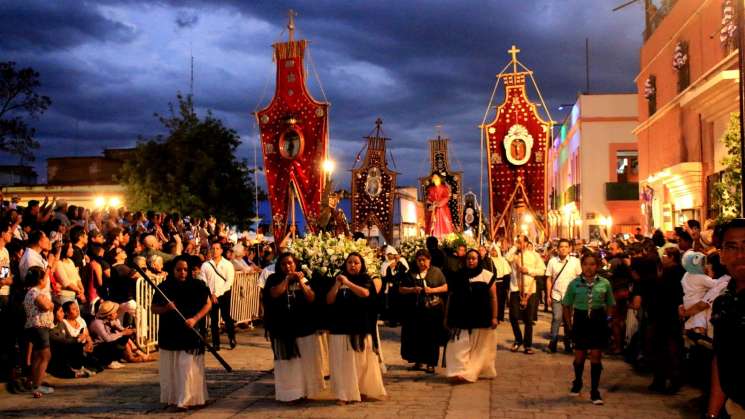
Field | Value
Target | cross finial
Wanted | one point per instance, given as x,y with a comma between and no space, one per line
514,51
378,126
439,130
291,24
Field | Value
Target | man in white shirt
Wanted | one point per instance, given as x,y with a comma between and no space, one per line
561,270
37,243
526,265
6,278
219,274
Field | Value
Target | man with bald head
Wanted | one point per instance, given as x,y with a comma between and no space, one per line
152,248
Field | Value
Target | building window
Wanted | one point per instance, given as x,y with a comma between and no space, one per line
627,166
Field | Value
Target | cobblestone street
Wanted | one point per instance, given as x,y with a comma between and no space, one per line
527,387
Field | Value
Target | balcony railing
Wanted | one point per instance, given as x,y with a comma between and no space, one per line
616,191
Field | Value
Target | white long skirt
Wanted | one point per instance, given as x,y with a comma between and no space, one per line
472,355
182,380
324,353
300,377
354,373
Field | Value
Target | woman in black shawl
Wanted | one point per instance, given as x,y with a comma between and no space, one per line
290,321
422,333
472,317
355,371
182,380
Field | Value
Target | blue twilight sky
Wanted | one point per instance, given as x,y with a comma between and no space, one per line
109,65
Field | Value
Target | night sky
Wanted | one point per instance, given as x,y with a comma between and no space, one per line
109,65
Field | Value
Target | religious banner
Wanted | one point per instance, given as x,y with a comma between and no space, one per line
471,213
517,146
294,138
442,193
373,188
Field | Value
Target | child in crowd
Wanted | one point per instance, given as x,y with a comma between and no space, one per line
695,286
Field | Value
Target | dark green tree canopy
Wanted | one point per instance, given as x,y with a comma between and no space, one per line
19,101
192,170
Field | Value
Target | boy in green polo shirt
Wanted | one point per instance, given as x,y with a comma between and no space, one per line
590,296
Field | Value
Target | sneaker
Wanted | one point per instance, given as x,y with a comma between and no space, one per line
44,390
115,365
595,398
576,388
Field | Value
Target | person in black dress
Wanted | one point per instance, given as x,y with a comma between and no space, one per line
354,365
182,378
290,321
424,292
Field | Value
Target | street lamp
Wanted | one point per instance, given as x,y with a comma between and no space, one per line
328,166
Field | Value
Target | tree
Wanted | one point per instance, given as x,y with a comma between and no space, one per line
192,170
727,190
18,101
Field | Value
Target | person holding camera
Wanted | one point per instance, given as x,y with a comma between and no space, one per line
424,292
219,274
290,321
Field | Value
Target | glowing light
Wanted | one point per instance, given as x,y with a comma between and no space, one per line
578,222
527,219
328,166
524,228
115,202
99,202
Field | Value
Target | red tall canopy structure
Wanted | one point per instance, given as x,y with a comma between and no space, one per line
374,188
294,138
517,142
440,166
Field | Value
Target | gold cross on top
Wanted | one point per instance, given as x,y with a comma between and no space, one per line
514,51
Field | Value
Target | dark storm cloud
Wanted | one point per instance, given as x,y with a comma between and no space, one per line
416,64
43,25
186,20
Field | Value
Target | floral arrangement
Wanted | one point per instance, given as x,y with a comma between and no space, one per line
324,254
729,26
649,88
451,241
680,57
409,247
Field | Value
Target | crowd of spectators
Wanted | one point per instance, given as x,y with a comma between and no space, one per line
68,283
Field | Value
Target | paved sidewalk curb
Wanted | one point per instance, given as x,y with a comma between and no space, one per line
239,400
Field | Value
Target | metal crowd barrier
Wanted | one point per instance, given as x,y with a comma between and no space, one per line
245,307
146,322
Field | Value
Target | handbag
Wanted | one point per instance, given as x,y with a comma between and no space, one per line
432,301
